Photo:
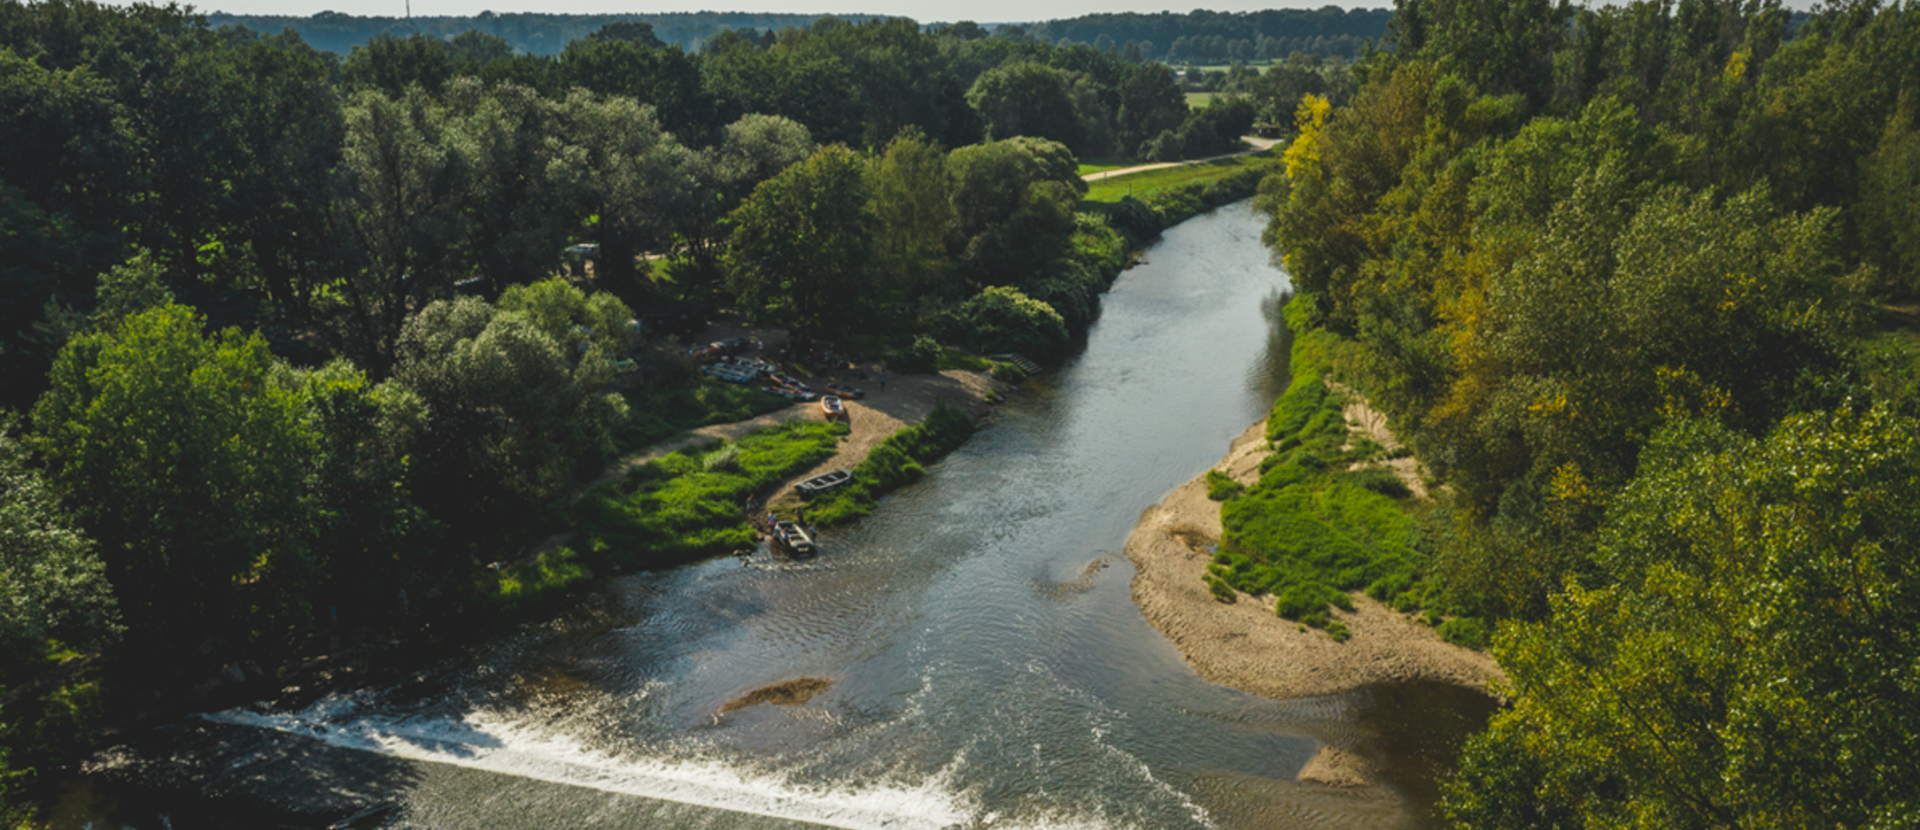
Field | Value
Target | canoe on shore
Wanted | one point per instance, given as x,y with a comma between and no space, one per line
793,538
823,482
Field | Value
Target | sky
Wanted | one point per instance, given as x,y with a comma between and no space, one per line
924,11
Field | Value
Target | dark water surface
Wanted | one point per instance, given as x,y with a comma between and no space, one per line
988,666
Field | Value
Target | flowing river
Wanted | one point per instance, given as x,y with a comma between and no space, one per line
988,667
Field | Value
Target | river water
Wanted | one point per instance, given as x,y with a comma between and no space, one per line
988,666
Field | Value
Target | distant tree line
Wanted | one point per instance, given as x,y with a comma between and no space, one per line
1204,36
530,33
1195,37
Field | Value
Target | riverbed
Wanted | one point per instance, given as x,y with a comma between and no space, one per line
986,664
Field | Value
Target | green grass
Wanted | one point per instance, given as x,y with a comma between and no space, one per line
897,462
1000,370
1146,184
550,574
1311,531
659,415
1101,165
1200,99
1221,487
689,505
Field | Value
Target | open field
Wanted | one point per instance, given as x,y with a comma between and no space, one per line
1145,183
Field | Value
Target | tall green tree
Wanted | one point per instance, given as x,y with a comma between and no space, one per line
512,414
400,208
632,180
1028,99
1013,204
185,457
913,215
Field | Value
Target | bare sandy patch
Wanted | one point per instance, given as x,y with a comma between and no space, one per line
1244,644
1368,422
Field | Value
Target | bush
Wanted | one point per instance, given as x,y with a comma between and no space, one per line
922,356
548,575
1003,319
1338,631
1382,481
1468,632
1221,486
723,460
1221,590
1008,373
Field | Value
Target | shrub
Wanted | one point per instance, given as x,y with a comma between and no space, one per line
1469,632
1221,590
1382,481
725,459
548,575
1221,486
922,356
1002,319
1008,373
1338,631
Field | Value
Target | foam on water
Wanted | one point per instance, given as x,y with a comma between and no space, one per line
486,742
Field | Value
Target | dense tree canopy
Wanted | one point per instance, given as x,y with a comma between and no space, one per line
1632,281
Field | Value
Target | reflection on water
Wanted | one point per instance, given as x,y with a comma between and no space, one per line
988,665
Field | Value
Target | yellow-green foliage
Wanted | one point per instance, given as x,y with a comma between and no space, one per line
676,509
893,464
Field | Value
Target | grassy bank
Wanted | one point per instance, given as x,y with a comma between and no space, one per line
680,508
657,415
1321,522
1148,184
897,462
1142,205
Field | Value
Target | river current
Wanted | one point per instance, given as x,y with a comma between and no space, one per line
988,667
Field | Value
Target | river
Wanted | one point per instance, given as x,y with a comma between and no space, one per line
988,665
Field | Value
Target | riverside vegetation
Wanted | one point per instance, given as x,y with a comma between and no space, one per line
295,361
1636,283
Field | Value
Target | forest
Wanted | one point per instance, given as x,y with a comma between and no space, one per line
1638,284
291,341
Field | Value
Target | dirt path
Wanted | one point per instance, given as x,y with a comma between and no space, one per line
906,401
1258,143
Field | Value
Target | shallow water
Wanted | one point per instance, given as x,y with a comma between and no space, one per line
988,665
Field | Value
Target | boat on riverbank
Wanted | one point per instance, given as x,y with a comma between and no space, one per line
793,539
831,407
823,482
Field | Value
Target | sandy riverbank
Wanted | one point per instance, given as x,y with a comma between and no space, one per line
1243,644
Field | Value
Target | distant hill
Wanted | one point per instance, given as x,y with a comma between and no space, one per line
539,34
1193,37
